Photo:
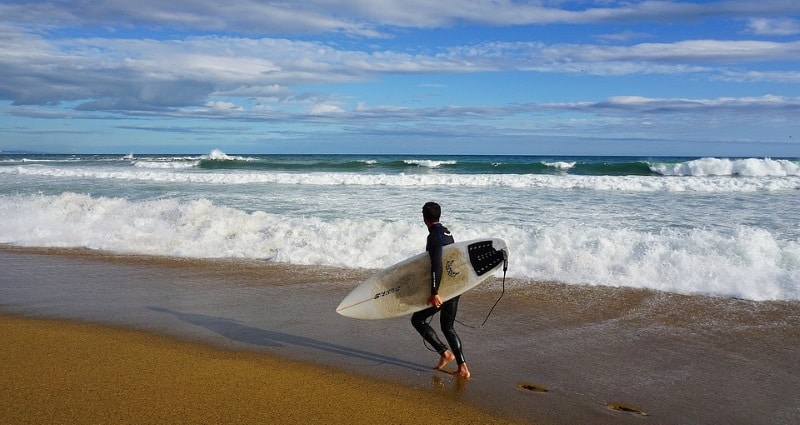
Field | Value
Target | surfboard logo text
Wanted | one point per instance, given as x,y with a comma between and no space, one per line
389,291
448,265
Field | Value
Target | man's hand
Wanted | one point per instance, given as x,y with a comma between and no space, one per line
435,301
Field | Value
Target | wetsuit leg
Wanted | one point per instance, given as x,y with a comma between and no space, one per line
447,320
420,322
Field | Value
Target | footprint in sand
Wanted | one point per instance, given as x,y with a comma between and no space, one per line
626,408
534,388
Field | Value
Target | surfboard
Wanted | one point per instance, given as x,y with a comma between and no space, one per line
404,288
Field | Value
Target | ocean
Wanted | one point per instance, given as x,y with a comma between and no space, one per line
722,227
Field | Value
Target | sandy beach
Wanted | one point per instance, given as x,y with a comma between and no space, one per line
98,338
63,372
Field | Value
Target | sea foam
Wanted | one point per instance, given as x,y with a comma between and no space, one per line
177,172
749,263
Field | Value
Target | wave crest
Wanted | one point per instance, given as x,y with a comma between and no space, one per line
745,167
428,163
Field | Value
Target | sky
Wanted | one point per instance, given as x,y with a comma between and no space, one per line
546,77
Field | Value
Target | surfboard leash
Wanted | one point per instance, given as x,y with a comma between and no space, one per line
502,292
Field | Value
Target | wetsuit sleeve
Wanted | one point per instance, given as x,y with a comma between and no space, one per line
435,252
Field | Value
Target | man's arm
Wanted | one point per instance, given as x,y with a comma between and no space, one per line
435,252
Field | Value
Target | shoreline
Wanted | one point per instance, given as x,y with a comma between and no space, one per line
550,353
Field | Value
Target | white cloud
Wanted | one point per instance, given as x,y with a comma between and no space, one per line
681,57
325,109
721,108
622,36
371,18
119,74
242,16
778,26
684,52
224,106
767,105
755,76
269,91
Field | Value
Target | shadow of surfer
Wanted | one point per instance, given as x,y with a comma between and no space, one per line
266,338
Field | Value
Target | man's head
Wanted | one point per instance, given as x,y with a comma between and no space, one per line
431,212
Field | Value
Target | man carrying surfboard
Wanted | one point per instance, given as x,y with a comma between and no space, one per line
438,237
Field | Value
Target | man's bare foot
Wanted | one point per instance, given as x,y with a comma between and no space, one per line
446,358
463,371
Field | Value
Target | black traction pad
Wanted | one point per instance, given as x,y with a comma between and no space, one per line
483,257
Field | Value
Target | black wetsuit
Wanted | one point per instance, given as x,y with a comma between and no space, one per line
438,237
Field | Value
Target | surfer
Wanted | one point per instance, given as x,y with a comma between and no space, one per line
438,237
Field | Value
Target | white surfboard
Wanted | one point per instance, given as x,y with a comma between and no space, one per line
405,287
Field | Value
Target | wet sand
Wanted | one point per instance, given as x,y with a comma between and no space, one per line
549,354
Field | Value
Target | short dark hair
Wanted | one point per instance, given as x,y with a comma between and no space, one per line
431,211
